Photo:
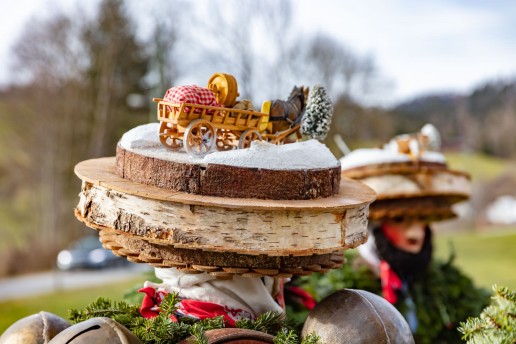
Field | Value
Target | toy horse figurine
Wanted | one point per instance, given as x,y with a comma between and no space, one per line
285,114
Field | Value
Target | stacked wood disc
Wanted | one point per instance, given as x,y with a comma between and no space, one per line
193,214
412,187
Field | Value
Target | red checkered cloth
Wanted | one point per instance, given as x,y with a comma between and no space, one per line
191,94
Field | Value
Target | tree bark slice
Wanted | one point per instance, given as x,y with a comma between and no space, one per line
227,181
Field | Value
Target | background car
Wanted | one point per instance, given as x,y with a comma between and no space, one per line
87,253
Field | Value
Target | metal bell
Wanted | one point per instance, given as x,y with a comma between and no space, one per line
96,330
37,328
357,316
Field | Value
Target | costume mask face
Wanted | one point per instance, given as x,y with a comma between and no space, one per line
406,235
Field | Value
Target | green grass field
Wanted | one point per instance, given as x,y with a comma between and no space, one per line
488,257
59,302
481,167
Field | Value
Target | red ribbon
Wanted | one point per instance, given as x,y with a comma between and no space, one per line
151,301
193,308
390,282
301,296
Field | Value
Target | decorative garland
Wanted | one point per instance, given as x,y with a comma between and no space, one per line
161,330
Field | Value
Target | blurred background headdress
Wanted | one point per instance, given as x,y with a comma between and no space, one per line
410,176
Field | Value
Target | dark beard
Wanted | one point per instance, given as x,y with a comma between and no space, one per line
408,266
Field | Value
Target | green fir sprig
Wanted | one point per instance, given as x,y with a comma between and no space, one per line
161,330
121,311
497,322
291,337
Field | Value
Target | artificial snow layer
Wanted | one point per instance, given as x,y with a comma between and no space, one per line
372,156
311,154
144,140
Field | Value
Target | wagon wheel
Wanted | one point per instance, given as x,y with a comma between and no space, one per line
225,139
169,137
247,137
199,137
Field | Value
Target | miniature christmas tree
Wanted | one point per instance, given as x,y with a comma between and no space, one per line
319,110
496,323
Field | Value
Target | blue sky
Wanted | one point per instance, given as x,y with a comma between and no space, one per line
419,46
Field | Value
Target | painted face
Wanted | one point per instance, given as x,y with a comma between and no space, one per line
407,235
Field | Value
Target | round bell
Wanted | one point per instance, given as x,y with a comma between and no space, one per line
234,336
35,329
357,316
96,330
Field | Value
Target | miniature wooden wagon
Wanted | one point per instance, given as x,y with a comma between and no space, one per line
200,128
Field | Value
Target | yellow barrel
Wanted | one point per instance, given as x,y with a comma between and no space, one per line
225,88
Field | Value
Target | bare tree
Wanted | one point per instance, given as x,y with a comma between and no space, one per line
248,39
117,66
51,62
75,76
167,41
325,60
499,128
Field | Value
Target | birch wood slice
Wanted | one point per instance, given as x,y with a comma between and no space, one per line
413,189
218,224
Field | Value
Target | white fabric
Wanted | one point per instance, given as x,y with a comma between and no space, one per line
369,253
253,295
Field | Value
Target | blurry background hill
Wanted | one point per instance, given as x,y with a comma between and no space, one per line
81,77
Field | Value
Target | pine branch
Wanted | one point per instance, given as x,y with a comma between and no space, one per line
269,322
199,333
169,305
286,337
161,329
505,293
104,308
312,338
496,323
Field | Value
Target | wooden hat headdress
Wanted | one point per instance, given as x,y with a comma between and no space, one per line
410,176
235,212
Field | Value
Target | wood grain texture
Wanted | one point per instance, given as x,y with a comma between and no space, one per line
216,224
